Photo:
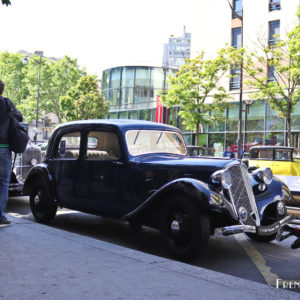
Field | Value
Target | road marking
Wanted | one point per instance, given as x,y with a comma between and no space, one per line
257,259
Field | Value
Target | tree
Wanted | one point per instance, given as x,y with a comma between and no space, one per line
56,78
197,82
274,72
84,101
12,72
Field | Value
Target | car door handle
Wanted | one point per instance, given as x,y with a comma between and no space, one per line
117,163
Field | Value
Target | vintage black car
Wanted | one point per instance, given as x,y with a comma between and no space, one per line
140,172
22,165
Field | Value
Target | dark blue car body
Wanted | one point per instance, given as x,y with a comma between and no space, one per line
140,188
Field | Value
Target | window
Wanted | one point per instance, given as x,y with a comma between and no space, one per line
274,32
237,37
238,8
282,154
141,142
102,145
266,154
69,146
274,5
272,74
235,80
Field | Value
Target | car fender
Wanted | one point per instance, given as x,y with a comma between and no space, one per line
38,172
195,189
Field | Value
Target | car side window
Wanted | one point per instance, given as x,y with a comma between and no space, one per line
283,155
102,145
69,146
266,154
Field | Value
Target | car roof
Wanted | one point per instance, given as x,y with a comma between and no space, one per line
123,124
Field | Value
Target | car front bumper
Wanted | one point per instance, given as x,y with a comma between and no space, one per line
15,187
260,230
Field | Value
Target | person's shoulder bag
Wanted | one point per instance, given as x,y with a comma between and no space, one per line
17,134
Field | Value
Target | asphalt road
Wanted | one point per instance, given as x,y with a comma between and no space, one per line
235,255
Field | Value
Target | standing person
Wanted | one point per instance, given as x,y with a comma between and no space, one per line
5,153
228,153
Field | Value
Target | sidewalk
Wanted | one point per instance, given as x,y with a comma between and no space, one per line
40,262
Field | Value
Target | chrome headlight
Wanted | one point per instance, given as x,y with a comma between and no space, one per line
280,208
222,177
33,161
263,175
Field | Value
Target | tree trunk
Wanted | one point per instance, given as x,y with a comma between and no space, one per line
289,131
197,134
289,123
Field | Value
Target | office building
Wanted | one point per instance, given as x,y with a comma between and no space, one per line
216,25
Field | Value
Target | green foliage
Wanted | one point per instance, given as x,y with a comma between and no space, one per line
197,90
56,79
84,101
12,73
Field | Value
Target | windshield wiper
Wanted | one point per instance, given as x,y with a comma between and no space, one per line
137,135
159,137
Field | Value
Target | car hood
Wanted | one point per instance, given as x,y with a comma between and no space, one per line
184,162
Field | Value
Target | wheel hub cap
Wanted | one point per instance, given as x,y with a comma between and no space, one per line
36,200
175,226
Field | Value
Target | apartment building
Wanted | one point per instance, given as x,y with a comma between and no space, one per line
177,50
247,23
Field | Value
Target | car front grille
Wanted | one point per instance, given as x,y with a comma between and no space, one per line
23,163
242,196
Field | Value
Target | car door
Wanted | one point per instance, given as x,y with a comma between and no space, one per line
99,171
282,163
263,158
65,165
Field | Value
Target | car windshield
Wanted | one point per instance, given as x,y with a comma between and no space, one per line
153,141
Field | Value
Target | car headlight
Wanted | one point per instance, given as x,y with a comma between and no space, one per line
222,177
263,175
33,161
280,208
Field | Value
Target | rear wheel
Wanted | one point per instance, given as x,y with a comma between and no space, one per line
41,203
184,228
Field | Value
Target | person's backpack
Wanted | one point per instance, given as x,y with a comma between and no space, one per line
17,134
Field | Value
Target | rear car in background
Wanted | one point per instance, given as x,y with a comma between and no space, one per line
23,163
284,163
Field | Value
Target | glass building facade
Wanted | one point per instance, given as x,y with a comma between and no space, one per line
133,90
260,124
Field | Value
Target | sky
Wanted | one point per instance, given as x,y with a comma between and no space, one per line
99,33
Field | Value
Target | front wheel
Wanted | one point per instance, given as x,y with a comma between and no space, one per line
184,228
42,206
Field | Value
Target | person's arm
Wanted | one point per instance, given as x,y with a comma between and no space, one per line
14,111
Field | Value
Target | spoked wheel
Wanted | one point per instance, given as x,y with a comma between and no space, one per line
42,206
184,228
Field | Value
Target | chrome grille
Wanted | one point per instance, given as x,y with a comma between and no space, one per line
242,195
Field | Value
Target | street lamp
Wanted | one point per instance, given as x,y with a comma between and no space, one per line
248,104
25,61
